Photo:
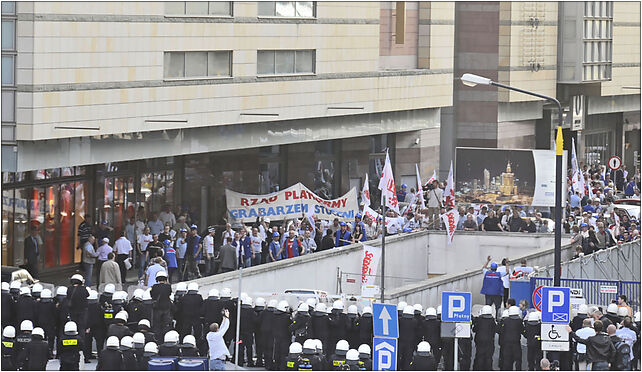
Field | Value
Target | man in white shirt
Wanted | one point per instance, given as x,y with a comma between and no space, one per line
130,231
585,332
152,271
155,225
627,334
309,245
217,349
143,240
434,202
123,249
504,271
166,216
256,242
208,246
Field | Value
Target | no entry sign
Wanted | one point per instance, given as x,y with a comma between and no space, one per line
615,162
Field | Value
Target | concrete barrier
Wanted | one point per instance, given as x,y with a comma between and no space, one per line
409,257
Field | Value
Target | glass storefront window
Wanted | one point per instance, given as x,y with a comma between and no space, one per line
21,223
66,227
81,207
51,228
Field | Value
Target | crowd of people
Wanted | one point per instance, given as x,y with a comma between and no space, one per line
39,325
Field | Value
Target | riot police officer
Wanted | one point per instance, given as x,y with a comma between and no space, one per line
308,359
431,330
320,324
423,360
281,333
300,323
532,330
145,328
338,359
107,294
407,337
22,340
266,328
352,334
135,309
339,324
9,348
129,354
364,325
190,309
139,349
352,361
485,329
169,347
110,358
188,347
259,347
118,328
46,317
511,331
69,347
25,307
365,356
6,305
248,326
36,352
291,361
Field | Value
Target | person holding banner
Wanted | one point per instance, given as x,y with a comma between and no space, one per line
343,236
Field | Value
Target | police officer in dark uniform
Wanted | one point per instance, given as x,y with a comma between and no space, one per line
110,359
352,335
9,348
576,322
139,349
299,326
46,317
95,326
69,347
511,331
339,324
190,305
130,363
407,337
176,308
23,339
365,356
169,347
309,360
228,303
188,348
248,325
485,329
118,328
281,332
145,328
25,306
364,325
135,309
352,361
320,324
108,293
259,347
431,330
77,296
338,358
266,326
423,360
291,361
532,330
36,352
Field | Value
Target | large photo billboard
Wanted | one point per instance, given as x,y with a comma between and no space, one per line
504,176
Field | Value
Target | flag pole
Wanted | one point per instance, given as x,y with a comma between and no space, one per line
383,249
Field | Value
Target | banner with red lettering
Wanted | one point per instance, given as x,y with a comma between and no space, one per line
369,263
294,202
450,220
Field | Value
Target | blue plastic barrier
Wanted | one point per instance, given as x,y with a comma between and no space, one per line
162,364
193,364
520,290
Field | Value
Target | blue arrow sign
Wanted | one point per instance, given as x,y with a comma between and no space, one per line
384,356
385,322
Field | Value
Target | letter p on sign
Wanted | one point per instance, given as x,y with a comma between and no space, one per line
555,298
461,305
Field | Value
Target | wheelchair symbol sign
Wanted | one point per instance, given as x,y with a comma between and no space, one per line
554,332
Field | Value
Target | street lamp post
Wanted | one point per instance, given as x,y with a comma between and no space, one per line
473,80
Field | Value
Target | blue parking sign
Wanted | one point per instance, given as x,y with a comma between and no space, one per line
385,321
384,355
455,306
556,305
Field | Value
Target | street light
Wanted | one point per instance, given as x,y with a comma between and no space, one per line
472,80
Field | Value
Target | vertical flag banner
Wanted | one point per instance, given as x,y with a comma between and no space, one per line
369,263
420,191
449,193
387,186
433,178
450,220
365,192
577,177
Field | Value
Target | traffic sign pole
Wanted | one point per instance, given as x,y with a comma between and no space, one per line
456,365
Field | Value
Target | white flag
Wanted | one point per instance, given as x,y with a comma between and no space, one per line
615,228
310,217
433,178
450,220
365,192
369,263
420,191
449,193
577,180
387,186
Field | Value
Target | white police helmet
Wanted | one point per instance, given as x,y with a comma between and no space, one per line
151,348
139,338
16,284
418,308
171,337
486,310
505,313
338,304
439,310
144,323
367,310
109,288
189,340
213,293
534,316
9,332
61,291
25,291
93,295
295,348
78,278
310,345
181,287
321,308
342,346
260,302
401,305
26,325
112,341
423,348
272,303
247,300
38,332
365,350
431,313
71,328
352,355
46,293
5,287
513,311
138,294
147,295
303,307
37,288
127,342
282,306
409,310
122,315
192,287
583,309
226,293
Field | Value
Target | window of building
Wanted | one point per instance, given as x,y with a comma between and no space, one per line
598,34
8,34
8,7
198,64
8,72
283,62
199,8
7,69
293,9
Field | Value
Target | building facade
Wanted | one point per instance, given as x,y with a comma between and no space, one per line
117,109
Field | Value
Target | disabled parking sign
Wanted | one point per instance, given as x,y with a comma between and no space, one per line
556,305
